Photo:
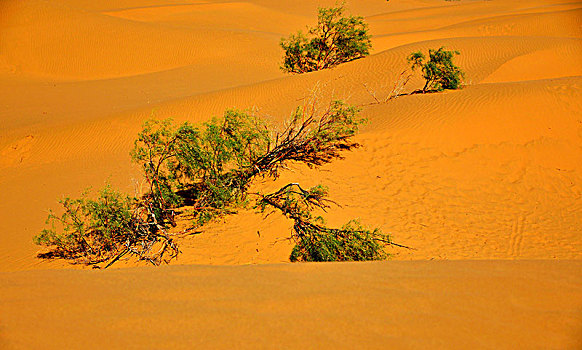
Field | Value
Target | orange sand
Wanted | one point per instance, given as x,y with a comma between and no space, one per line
401,304
493,171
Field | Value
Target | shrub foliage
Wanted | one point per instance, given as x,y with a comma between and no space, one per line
186,165
439,71
207,169
313,240
211,169
104,229
336,39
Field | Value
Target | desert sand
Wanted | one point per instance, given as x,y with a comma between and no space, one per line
401,304
485,175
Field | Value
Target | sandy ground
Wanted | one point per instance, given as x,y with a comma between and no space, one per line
493,171
401,304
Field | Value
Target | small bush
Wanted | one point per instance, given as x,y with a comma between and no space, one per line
350,243
336,39
439,71
187,165
104,229
313,240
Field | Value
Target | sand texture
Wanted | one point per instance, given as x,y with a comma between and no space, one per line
489,172
401,304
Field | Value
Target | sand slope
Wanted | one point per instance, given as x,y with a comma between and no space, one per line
405,305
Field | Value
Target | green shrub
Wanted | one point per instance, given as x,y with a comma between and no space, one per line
207,169
313,240
336,39
157,144
211,169
439,71
311,137
197,167
350,243
104,229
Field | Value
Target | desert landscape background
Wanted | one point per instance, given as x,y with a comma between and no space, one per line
482,176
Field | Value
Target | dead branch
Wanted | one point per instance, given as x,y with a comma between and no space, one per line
397,89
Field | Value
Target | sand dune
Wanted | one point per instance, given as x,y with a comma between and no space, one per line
492,171
232,16
541,24
46,40
406,305
563,60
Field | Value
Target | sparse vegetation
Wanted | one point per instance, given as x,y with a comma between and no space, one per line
336,39
102,230
208,170
313,240
200,168
439,71
211,169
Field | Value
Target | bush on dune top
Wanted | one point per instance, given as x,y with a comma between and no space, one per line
439,71
334,40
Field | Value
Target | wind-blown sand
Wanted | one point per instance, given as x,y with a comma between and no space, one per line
411,305
492,171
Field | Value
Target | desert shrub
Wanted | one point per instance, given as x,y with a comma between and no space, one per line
313,240
156,145
439,71
103,229
336,39
352,242
207,168
211,169
187,165
310,137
